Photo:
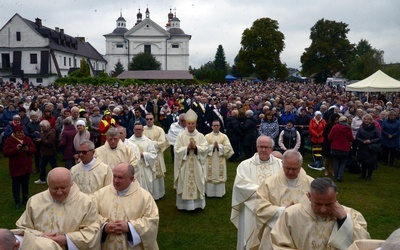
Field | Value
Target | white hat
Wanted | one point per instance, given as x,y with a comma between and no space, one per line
80,122
190,116
317,113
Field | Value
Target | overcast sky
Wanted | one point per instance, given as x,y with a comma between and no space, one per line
215,22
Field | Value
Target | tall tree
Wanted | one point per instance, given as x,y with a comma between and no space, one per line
366,61
261,47
330,50
220,64
84,70
144,61
118,69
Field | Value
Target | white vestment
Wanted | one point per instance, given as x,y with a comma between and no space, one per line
216,163
249,175
135,206
299,228
157,135
76,217
189,170
121,153
96,176
272,197
146,163
173,132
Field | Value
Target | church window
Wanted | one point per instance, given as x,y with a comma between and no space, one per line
18,36
147,49
175,46
119,45
33,58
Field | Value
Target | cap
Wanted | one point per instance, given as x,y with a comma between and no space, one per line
107,112
18,128
190,116
16,117
82,111
317,113
80,122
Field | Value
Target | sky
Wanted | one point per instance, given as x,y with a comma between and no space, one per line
221,22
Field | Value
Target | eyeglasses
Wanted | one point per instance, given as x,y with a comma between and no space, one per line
264,147
84,152
149,119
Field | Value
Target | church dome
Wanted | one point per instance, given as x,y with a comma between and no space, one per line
176,31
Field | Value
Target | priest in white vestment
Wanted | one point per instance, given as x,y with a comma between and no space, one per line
157,135
173,132
114,151
278,192
128,214
147,157
249,175
219,149
62,213
319,221
90,174
190,166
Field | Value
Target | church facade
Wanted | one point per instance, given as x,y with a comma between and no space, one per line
169,45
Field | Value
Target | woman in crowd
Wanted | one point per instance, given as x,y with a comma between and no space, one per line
234,134
340,138
326,146
250,134
369,139
19,150
48,149
269,125
390,138
67,141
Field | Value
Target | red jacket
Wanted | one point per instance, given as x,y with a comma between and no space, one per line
19,161
341,137
316,130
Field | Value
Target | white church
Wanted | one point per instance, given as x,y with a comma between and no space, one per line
169,45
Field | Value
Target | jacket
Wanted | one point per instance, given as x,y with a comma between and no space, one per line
48,143
67,142
19,161
316,130
341,137
390,127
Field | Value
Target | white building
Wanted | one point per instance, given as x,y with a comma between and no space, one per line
170,46
39,55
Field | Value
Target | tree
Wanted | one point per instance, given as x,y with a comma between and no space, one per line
84,70
144,61
261,47
118,69
220,65
330,50
366,61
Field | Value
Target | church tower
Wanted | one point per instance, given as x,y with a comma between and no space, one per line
138,18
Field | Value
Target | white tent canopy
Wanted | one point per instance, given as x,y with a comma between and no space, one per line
377,82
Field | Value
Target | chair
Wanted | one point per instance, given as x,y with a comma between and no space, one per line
316,151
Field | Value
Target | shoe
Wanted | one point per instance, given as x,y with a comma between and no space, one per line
314,166
40,182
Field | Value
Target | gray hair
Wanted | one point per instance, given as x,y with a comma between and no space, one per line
67,121
45,123
292,153
322,185
7,239
112,132
89,142
266,136
249,113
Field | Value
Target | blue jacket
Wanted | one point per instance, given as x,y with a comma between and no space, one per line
390,127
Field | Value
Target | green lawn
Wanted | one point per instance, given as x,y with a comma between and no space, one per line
378,201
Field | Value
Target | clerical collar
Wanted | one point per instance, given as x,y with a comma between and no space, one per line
88,166
123,192
267,161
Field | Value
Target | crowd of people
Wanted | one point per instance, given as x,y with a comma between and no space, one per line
112,140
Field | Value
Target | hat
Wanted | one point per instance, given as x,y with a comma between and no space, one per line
190,116
317,113
342,118
389,103
80,122
82,111
17,128
16,117
107,112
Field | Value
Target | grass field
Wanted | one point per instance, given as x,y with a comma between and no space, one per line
378,200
